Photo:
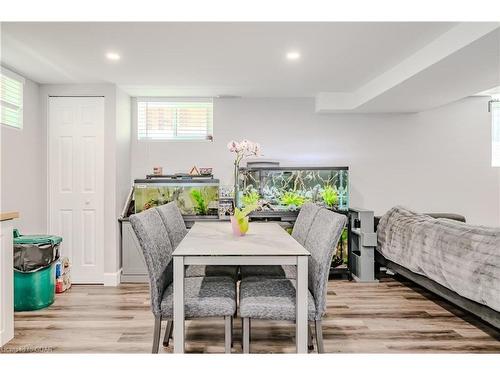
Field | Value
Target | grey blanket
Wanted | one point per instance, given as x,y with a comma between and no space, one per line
461,257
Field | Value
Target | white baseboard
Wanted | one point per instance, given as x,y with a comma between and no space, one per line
112,278
134,279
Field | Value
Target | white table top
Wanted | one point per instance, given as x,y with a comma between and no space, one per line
216,238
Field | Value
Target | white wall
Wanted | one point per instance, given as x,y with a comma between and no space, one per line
24,162
432,161
123,133
23,172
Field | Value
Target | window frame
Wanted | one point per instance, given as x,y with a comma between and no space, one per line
12,75
141,99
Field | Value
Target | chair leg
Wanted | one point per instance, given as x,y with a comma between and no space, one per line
232,337
319,337
246,335
168,333
228,320
310,345
156,335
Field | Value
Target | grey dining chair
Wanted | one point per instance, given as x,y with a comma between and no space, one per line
203,296
274,299
176,229
300,230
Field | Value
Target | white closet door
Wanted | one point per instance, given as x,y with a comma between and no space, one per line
76,183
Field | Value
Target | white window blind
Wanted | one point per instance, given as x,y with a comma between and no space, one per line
495,134
11,98
162,119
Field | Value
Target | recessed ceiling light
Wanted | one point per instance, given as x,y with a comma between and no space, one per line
113,56
293,55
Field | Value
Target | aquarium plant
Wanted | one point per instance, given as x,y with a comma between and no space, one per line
200,205
251,198
292,199
330,196
344,245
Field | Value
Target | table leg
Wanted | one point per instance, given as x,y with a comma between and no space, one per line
301,307
178,304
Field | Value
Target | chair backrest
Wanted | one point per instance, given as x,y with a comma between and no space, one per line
321,242
155,244
304,221
172,218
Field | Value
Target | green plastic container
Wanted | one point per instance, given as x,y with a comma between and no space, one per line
34,271
34,290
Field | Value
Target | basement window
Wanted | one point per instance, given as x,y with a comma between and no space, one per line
166,119
495,133
11,99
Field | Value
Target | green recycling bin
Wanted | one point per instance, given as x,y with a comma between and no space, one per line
34,271
34,290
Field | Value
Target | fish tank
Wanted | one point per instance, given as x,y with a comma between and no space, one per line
194,197
285,189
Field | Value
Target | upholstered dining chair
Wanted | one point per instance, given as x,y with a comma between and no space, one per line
300,230
274,299
176,231
203,296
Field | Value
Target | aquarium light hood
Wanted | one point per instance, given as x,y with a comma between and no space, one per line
262,163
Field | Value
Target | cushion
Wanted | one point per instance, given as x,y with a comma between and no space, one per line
272,272
200,270
172,217
271,299
203,297
304,221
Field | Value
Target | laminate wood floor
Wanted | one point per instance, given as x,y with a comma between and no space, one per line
393,316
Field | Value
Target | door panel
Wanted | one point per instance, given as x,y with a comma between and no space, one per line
89,164
89,240
66,164
76,183
65,226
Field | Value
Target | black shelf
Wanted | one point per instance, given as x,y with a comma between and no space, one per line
177,180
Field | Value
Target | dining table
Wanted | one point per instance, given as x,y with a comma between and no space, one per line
265,243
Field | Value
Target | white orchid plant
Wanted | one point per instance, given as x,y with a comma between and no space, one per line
242,149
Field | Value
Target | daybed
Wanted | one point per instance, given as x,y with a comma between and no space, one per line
454,260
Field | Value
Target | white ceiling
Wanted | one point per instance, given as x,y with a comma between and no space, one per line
458,75
245,59
348,67
455,65
495,91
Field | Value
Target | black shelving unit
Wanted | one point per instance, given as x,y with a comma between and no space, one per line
344,270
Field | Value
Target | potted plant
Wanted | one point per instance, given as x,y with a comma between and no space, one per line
242,149
239,220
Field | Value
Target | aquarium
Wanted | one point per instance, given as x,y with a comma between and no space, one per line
287,189
193,197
